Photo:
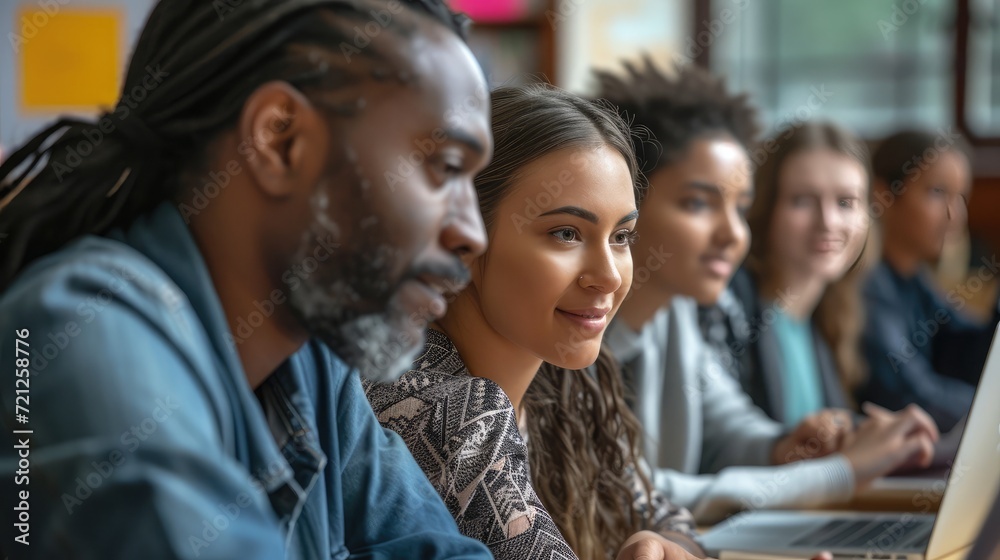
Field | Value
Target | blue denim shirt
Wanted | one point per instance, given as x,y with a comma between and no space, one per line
147,442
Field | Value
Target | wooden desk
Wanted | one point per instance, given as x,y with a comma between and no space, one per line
899,494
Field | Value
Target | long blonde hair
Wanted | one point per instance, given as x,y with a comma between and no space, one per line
839,315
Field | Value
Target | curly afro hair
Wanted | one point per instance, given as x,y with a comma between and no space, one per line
677,109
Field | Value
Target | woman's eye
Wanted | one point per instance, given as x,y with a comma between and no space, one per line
847,202
626,237
567,235
694,204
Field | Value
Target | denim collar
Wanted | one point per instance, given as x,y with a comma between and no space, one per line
282,453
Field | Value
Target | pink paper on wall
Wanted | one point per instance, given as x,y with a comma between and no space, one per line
492,10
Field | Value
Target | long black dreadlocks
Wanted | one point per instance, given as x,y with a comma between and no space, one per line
195,64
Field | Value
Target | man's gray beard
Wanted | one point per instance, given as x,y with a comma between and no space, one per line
373,343
376,344
378,352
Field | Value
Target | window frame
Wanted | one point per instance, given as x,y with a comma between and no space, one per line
986,148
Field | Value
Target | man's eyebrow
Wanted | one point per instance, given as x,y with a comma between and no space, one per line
463,137
574,211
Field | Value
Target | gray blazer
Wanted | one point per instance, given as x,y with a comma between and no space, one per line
763,365
707,445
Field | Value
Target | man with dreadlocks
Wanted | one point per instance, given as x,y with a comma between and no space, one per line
182,277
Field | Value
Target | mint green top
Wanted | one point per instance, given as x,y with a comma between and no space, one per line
803,393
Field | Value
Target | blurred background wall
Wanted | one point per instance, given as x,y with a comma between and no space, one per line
872,65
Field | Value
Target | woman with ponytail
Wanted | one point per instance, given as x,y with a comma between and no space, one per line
535,454
182,277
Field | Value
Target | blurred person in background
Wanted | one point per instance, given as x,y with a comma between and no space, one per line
790,324
920,346
709,447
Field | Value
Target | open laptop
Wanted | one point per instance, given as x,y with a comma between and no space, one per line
972,486
915,487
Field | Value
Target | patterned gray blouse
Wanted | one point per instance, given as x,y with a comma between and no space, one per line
462,431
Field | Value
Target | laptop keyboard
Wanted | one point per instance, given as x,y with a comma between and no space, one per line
885,535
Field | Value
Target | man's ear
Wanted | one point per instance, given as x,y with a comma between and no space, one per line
276,126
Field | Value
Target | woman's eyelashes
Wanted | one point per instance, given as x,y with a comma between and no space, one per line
565,235
568,235
626,237
848,202
694,204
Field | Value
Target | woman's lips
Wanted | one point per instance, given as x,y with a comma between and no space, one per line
591,321
718,267
827,246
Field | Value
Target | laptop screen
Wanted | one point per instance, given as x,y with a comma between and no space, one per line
975,475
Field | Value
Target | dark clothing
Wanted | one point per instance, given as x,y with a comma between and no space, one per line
919,348
740,328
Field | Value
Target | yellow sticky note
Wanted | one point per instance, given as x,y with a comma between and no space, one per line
69,58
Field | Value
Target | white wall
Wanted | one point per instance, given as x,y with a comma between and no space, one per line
600,33
589,33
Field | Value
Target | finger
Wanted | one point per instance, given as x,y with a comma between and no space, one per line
925,453
687,555
846,418
843,428
808,427
875,411
673,550
912,420
825,428
916,451
646,549
823,556
830,440
837,426
903,423
924,421
841,439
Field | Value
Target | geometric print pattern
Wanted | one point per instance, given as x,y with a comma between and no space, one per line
462,431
